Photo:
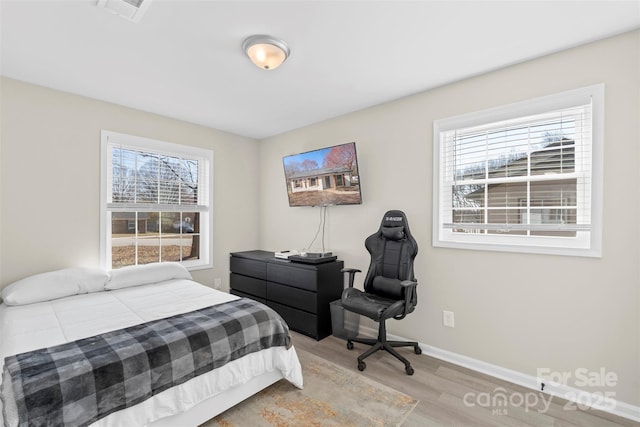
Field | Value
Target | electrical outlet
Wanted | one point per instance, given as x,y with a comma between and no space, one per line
217,283
448,318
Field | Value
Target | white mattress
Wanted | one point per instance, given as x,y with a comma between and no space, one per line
29,327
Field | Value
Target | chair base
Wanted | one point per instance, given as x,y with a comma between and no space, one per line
382,344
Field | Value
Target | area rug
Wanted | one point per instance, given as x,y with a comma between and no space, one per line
332,396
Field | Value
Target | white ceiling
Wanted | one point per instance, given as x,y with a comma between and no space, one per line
184,58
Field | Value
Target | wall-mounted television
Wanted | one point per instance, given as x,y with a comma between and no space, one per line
324,177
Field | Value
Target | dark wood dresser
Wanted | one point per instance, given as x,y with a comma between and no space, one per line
299,292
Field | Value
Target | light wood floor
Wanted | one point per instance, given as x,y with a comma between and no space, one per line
441,388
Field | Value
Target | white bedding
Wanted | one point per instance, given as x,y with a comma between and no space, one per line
29,327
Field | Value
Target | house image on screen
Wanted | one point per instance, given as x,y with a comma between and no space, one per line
324,177
321,179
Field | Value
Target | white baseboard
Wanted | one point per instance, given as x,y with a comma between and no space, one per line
578,398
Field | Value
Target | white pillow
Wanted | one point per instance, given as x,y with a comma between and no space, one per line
54,285
91,279
136,275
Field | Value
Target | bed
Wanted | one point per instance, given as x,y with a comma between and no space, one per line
70,308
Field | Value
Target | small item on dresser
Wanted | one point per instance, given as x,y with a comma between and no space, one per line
286,254
313,258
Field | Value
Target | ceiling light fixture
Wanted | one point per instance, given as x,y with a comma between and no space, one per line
265,51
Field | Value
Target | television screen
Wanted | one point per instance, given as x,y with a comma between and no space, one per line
323,177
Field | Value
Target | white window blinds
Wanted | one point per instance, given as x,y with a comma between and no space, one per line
527,174
156,202
518,175
149,180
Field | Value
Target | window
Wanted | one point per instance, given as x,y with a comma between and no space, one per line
526,177
156,202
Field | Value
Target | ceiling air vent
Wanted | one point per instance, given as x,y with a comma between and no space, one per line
131,10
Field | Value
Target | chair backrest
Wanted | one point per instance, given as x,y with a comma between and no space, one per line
392,250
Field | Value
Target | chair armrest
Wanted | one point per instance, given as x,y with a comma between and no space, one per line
352,273
409,296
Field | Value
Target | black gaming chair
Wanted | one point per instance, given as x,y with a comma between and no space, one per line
389,287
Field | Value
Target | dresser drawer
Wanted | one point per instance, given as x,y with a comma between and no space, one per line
299,277
249,267
248,285
294,297
298,320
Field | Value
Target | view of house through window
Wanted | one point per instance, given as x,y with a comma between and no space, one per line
501,179
518,180
157,202
159,236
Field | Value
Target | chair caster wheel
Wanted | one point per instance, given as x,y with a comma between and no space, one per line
361,366
417,350
349,345
409,370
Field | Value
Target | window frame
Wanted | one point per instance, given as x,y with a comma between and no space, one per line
108,139
586,242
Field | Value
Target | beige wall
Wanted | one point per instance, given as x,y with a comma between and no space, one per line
517,311
50,180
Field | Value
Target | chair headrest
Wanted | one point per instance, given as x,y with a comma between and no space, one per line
394,225
394,219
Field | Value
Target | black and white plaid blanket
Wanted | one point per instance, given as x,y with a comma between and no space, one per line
77,383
